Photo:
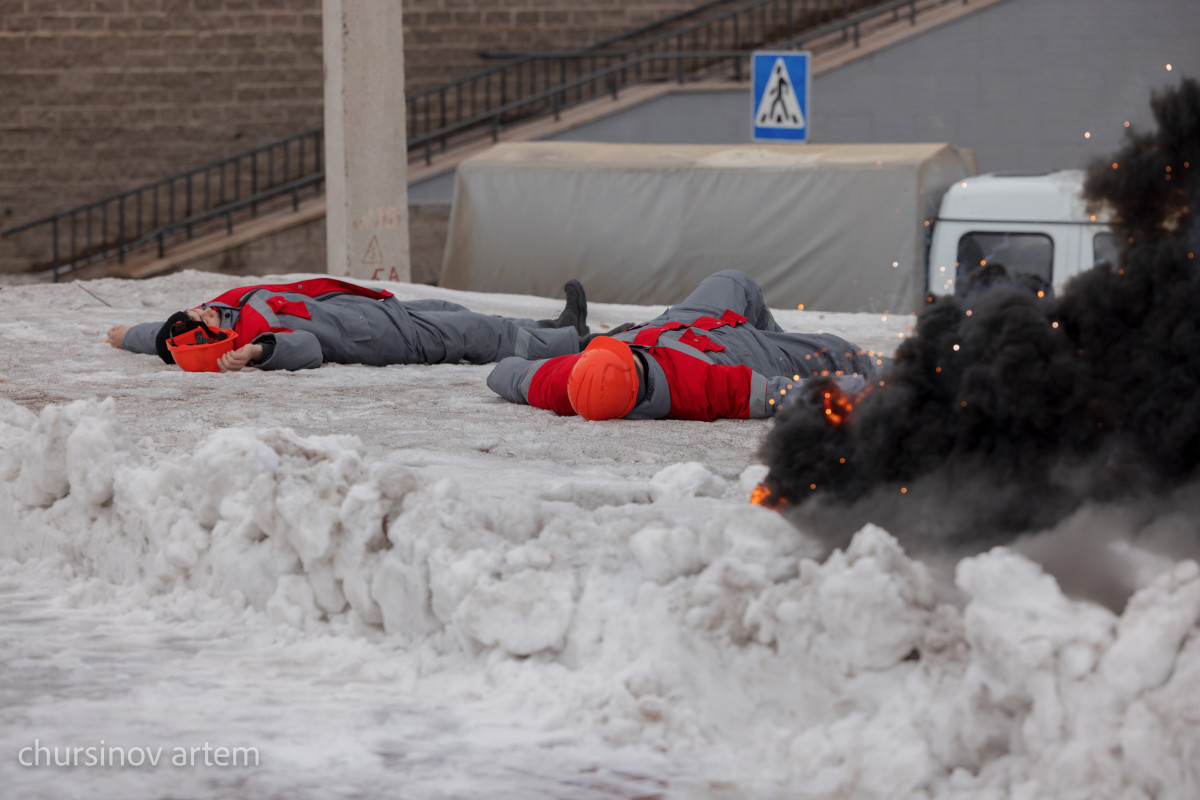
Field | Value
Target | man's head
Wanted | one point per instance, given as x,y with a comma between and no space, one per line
182,322
603,384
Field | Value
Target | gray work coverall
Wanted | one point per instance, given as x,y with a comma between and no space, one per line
351,329
776,357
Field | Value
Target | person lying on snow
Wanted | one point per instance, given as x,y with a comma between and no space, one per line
301,325
718,354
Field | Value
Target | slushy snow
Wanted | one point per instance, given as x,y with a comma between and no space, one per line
389,581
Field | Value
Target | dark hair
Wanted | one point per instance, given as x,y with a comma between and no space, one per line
164,333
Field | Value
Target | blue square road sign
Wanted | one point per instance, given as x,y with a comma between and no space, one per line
782,89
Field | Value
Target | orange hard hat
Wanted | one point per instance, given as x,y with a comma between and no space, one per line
197,350
603,384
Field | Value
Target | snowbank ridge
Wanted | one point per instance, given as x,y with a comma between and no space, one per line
686,622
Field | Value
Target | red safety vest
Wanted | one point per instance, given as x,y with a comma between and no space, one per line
699,390
251,323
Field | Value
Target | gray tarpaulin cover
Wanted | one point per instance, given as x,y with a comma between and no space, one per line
836,227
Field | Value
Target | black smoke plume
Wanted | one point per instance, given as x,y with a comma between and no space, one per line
1008,410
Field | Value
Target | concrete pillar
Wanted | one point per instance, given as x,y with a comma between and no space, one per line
366,160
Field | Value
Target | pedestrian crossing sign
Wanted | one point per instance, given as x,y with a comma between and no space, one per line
782,88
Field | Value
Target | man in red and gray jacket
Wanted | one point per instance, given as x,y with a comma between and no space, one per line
718,354
301,325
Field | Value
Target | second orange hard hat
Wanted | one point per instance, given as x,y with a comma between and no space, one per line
603,384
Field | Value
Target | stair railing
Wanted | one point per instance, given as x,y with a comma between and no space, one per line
179,206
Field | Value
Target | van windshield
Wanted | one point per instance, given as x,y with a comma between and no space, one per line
1020,253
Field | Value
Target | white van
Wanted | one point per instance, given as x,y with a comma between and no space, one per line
1032,224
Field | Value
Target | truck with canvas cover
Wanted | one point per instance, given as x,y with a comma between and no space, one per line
832,227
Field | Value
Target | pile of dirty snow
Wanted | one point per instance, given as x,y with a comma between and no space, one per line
379,580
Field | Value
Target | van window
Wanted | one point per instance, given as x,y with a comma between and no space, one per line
1020,253
1104,248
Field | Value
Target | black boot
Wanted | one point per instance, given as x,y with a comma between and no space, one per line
584,341
575,314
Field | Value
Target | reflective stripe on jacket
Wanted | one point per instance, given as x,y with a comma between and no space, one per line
256,319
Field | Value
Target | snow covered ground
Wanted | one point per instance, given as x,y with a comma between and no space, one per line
364,582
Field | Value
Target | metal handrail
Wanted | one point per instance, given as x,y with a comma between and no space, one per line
292,188
180,202
853,21
185,227
624,35
514,64
633,65
807,8
555,98
433,113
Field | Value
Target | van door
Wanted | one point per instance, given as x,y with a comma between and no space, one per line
1093,244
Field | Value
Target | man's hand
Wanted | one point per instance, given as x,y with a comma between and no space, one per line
116,336
236,359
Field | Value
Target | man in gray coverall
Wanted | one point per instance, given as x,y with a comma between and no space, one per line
301,325
719,354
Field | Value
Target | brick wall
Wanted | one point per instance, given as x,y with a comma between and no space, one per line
98,96
444,37
101,95
301,248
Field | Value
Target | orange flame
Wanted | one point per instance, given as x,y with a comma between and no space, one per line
761,496
839,404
